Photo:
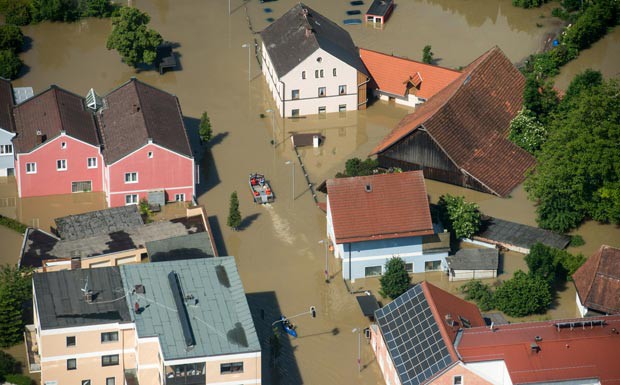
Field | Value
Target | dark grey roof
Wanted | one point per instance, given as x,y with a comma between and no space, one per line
61,303
474,259
368,304
38,246
511,233
288,43
413,337
98,222
218,314
301,140
189,246
379,7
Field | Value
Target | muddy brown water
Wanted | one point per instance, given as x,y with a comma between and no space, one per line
280,260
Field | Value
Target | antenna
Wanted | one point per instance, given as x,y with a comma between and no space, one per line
88,294
85,289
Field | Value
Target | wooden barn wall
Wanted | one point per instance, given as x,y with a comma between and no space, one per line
362,91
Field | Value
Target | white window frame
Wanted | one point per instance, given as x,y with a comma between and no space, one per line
454,380
129,199
322,110
6,149
323,93
61,165
342,108
294,94
150,154
63,145
295,112
107,381
342,89
129,177
303,75
321,73
181,196
31,168
94,162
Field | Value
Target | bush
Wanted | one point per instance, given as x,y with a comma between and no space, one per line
479,292
11,38
427,55
527,132
592,24
395,280
18,13
553,265
577,240
8,364
10,64
18,379
523,295
539,98
460,217
95,8
13,224
54,10
528,3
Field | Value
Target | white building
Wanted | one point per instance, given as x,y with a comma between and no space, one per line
311,65
9,97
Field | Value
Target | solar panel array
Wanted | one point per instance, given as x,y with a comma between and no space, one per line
413,338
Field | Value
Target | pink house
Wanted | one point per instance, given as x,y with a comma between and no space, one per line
131,144
56,145
145,145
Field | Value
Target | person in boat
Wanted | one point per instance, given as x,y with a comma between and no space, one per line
288,324
261,180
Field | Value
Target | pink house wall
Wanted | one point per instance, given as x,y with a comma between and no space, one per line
383,357
165,170
467,377
50,181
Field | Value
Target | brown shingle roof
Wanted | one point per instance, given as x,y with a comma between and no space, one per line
470,120
136,112
396,207
6,105
598,281
51,112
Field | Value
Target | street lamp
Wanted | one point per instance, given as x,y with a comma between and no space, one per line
246,45
293,171
325,242
273,125
359,348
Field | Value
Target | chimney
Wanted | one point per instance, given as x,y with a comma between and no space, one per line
40,137
76,263
449,319
88,296
534,347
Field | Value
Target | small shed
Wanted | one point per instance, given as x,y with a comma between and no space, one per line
305,140
379,11
473,264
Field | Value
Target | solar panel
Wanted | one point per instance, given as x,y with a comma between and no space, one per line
413,337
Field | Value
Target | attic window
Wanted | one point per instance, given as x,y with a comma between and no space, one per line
319,59
368,188
150,154
63,145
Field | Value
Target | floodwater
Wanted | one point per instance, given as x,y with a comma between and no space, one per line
277,248
603,56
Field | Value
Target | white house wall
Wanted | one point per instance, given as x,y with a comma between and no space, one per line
409,100
495,371
582,309
6,160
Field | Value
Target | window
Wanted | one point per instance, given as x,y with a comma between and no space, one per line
342,90
179,197
6,149
321,72
131,177
63,145
457,380
295,94
322,110
109,337
319,59
409,267
150,154
110,381
71,364
110,360
233,367
303,74
85,382
84,186
92,162
432,265
342,108
71,341
321,91
295,112
61,164
316,74
371,271
31,168
334,72
131,199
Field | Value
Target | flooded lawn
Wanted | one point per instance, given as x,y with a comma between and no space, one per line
280,260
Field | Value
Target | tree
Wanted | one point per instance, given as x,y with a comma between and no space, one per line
8,364
54,10
18,12
15,289
527,132
132,39
395,280
358,167
204,129
234,215
461,217
528,3
580,83
542,262
95,8
578,170
479,292
539,97
427,55
10,64
11,38
523,295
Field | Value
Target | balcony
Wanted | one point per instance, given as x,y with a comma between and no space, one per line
32,349
188,374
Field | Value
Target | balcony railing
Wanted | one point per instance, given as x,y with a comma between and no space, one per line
187,380
32,349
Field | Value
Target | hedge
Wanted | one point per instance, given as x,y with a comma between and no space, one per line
13,224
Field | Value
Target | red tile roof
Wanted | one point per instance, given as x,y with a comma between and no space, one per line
51,112
598,281
565,354
392,73
446,307
470,121
396,207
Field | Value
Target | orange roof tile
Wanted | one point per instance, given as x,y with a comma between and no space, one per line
396,207
392,73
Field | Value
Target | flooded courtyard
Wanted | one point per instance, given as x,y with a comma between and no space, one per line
277,249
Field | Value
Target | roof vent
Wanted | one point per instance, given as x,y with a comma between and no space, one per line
139,289
534,347
93,101
449,319
368,188
538,338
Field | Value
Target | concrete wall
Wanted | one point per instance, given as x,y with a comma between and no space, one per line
48,180
383,356
461,275
408,100
7,160
164,170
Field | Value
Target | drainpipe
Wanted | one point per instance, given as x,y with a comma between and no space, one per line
283,98
350,262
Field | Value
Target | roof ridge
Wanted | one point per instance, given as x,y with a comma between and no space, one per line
410,60
135,81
